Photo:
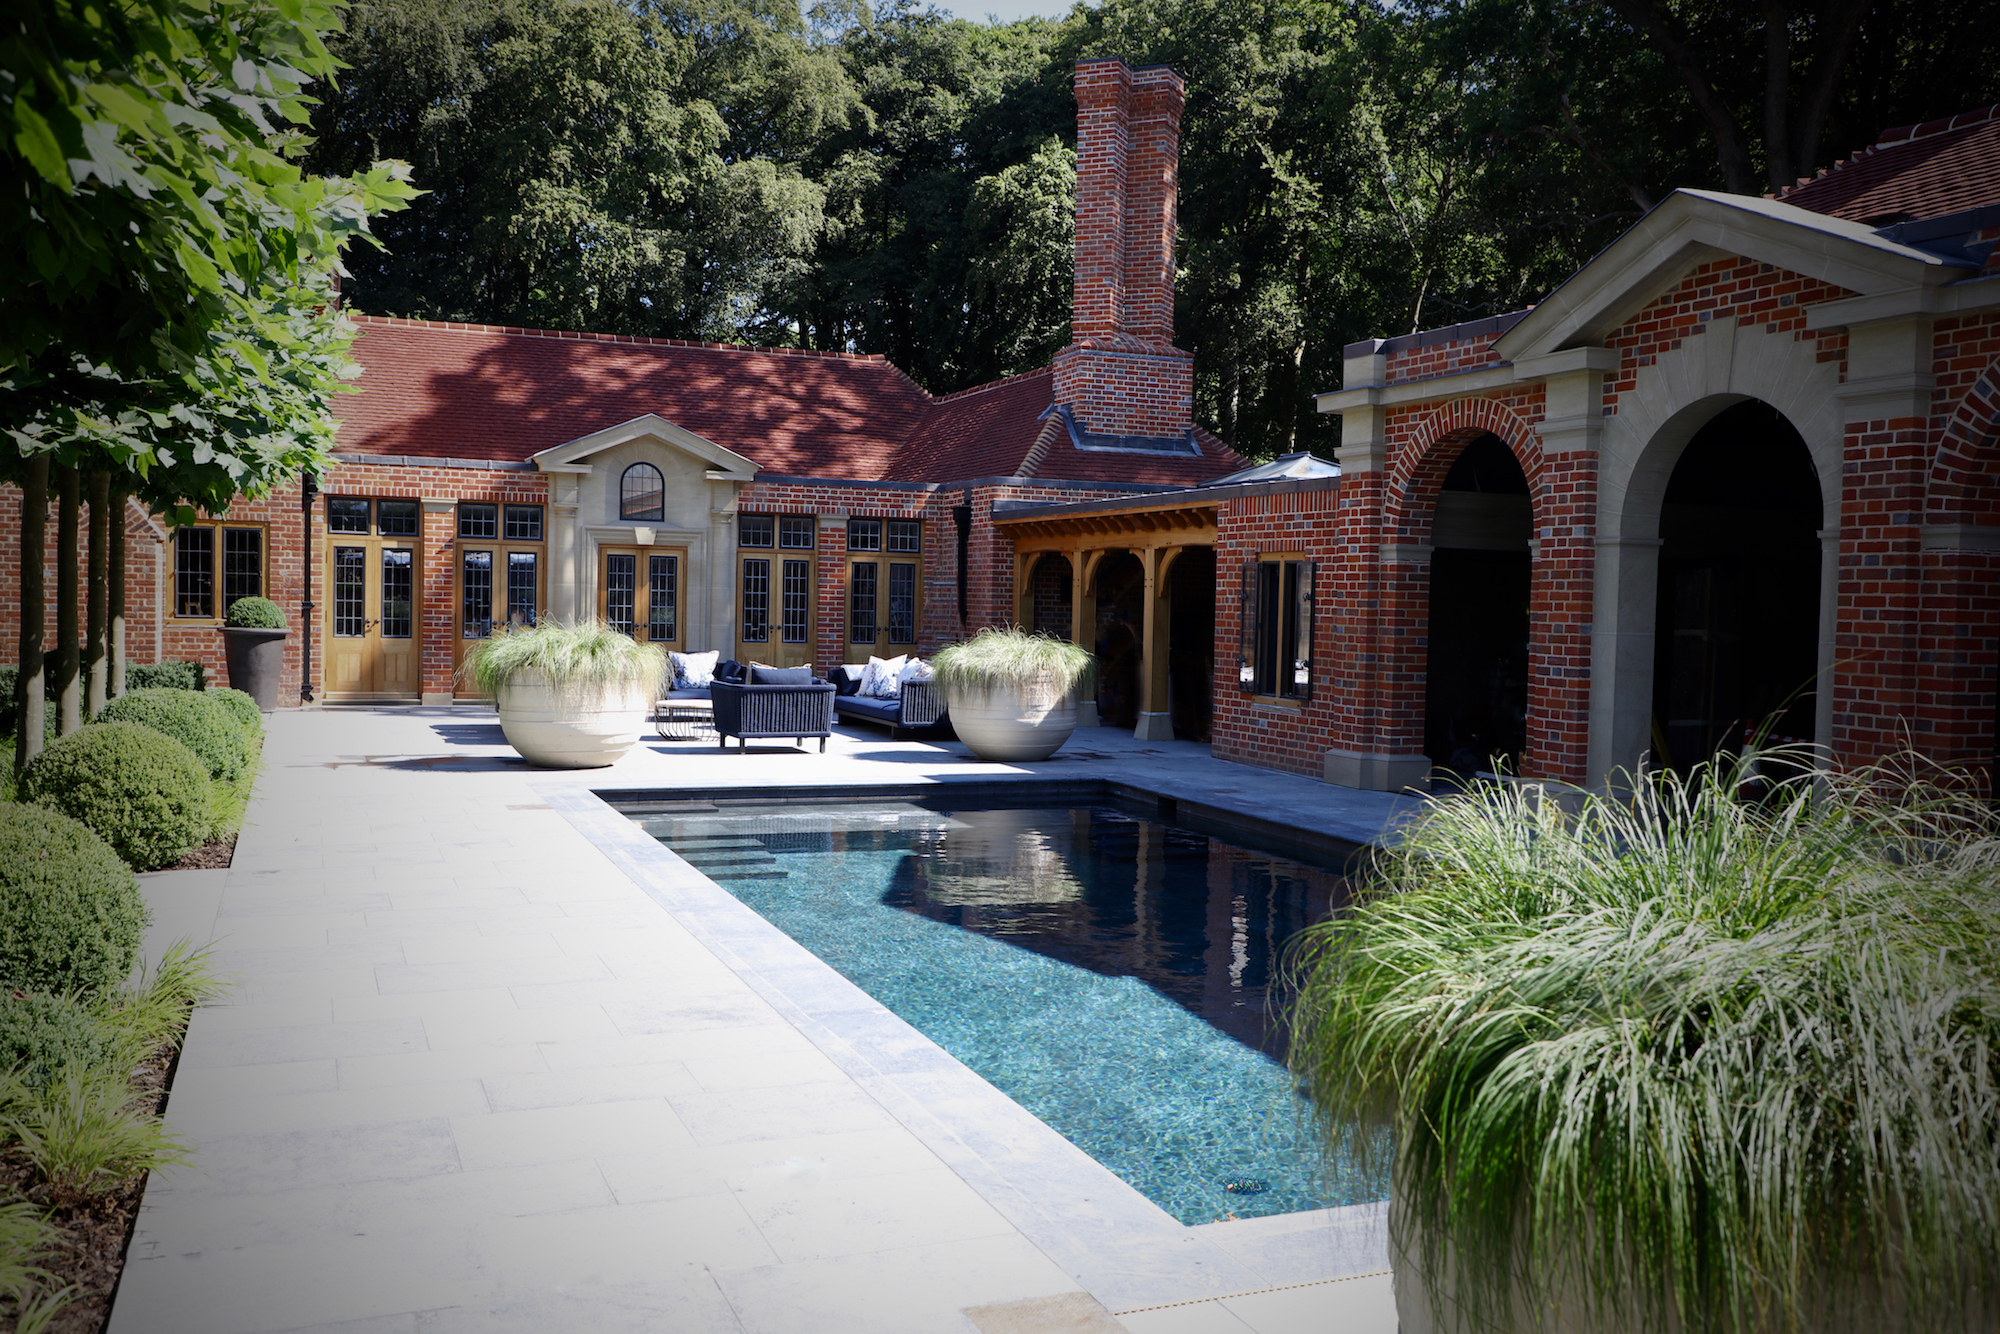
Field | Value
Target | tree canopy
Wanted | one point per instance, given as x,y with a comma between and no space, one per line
893,179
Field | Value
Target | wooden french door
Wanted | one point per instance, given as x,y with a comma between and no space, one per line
775,609
372,626
884,596
499,584
639,593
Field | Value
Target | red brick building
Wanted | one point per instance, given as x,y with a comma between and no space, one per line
1742,466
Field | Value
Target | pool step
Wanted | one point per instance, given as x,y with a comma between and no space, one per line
723,857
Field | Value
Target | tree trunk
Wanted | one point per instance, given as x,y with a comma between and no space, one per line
1838,32
30,699
1730,153
97,584
114,681
1777,94
68,689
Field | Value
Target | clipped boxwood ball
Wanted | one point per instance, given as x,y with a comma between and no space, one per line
143,792
70,913
196,719
254,614
244,711
40,1034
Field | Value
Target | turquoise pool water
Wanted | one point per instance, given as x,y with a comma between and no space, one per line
1110,973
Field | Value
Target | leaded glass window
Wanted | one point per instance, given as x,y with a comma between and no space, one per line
346,514
663,576
242,565
861,602
350,591
798,600
864,534
524,523
906,535
642,493
397,587
479,521
396,518
756,601
754,530
795,532
476,589
521,587
194,572
902,603
621,589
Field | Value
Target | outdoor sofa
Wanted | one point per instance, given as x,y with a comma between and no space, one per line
773,702
916,706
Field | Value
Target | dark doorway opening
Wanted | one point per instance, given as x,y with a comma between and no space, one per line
1049,595
1191,641
1476,686
1121,621
1737,634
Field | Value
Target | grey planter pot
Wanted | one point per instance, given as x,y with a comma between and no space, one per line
256,661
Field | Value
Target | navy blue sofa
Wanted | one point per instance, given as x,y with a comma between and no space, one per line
917,707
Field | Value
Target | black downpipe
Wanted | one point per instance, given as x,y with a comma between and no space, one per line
962,516
308,492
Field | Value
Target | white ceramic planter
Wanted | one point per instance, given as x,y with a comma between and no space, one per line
558,733
1011,724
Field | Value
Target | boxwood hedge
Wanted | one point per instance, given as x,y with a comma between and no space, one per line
71,917
143,792
202,723
41,1033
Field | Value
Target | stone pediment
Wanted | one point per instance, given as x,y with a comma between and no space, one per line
723,465
1692,227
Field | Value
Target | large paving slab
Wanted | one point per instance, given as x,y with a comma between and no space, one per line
495,1061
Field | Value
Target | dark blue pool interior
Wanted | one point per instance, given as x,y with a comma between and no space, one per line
1114,973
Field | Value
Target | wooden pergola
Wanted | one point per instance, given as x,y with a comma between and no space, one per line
1157,530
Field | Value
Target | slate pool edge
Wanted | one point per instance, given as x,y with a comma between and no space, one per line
1122,1248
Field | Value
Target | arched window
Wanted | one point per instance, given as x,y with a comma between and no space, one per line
642,493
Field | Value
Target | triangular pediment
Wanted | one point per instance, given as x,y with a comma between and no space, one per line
1691,227
576,453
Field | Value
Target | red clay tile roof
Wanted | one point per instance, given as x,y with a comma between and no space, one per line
437,390
1917,171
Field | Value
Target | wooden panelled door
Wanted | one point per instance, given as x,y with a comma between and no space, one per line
372,649
774,588
502,574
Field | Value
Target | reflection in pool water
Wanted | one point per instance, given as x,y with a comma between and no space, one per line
1108,972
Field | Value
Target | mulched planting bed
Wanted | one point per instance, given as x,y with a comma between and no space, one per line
208,857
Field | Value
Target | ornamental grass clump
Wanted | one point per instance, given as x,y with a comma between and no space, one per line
1012,659
578,659
1680,1060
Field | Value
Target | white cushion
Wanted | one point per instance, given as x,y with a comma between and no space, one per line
880,678
916,669
694,671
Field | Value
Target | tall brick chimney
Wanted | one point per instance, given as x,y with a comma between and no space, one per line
1121,375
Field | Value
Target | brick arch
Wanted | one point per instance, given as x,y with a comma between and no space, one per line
1561,576
1965,473
1958,618
1417,473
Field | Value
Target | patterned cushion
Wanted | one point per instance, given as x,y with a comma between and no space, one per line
694,671
916,669
880,680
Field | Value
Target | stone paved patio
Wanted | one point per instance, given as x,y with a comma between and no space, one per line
496,1062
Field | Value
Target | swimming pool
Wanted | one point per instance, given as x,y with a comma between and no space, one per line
1108,971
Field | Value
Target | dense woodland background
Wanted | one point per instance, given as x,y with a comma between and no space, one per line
900,181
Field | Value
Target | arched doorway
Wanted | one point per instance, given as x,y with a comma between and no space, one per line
1476,683
1121,626
1191,641
1736,636
1050,592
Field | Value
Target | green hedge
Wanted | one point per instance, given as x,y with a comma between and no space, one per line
41,1033
244,711
143,792
71,918
165,676
254,614
196,719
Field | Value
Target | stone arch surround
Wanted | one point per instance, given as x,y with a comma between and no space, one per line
1672,400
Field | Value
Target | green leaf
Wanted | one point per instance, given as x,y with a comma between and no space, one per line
39,145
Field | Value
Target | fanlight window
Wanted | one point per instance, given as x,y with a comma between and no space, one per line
642,493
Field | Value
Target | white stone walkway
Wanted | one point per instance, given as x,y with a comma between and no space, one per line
479,1074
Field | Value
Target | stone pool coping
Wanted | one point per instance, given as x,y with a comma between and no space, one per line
1121,1247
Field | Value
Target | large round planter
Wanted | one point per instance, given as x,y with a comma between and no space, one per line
562,732
1012,723
256,660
